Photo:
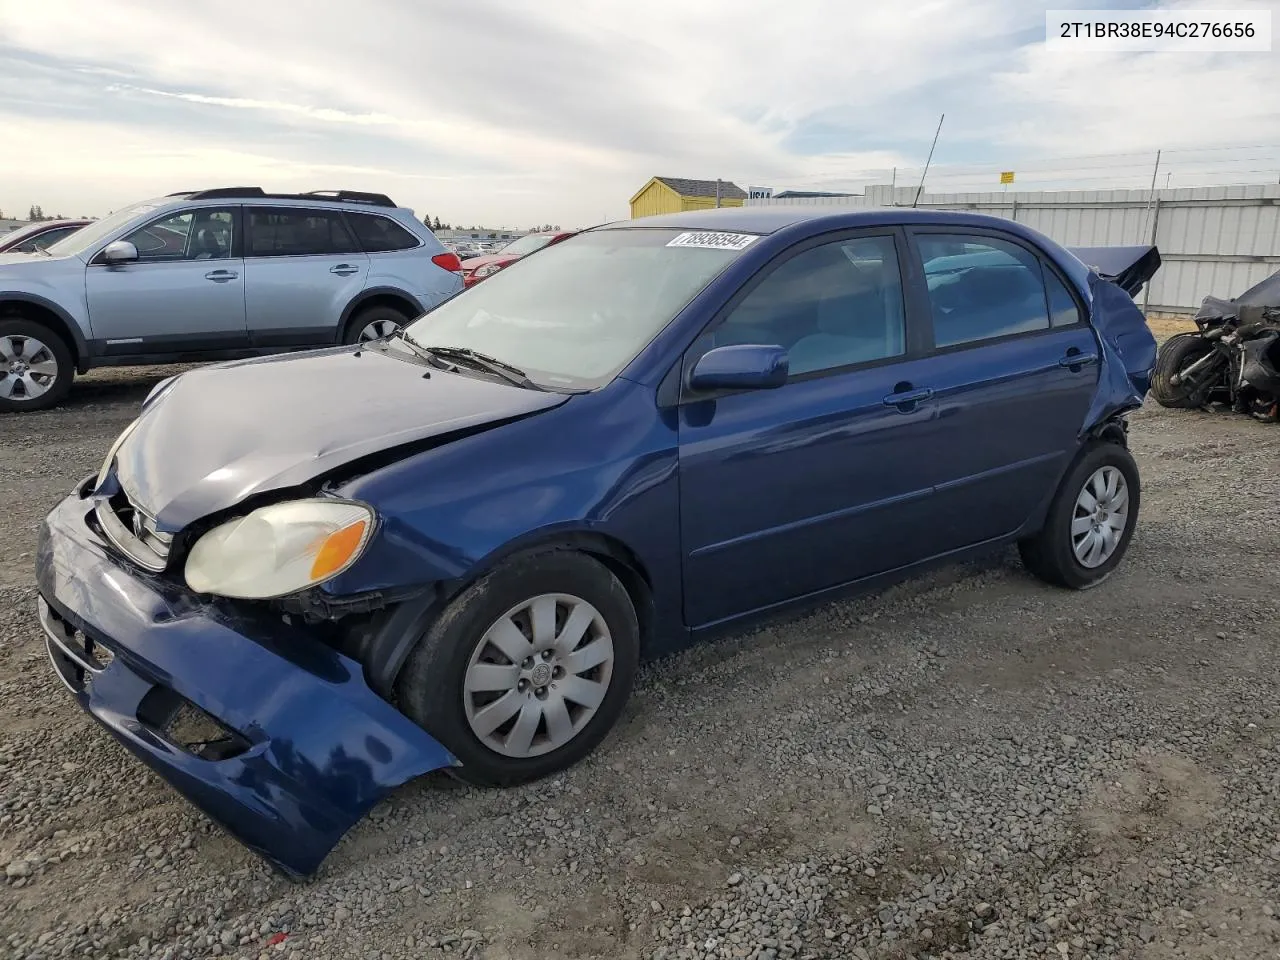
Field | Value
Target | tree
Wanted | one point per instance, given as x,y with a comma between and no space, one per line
35,213
427,221
437,225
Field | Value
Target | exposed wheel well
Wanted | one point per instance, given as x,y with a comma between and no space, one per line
616,556
383,644
405,306
14,308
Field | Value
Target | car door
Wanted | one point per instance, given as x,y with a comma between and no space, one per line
302,268
1014,367
789,491
184,293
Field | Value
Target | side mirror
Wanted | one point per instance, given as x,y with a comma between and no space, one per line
748,366
119,251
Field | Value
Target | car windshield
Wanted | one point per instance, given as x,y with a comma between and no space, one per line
90,235
576,314
526,245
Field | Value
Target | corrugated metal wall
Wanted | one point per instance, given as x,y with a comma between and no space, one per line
1214,240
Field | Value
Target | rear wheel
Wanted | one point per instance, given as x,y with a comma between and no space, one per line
1174,356
526,671
373,323
36,366
1090,522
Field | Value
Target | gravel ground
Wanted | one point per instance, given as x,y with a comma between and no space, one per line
969,764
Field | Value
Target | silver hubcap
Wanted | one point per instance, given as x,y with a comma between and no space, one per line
1100,517
28,368
538,675
378,330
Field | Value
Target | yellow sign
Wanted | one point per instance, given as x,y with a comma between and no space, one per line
1006,176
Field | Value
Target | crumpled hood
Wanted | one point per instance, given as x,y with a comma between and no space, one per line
217,435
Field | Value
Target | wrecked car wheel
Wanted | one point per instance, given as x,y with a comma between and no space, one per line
1175,356
527,669
1090,521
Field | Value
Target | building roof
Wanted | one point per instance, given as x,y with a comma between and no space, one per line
703,188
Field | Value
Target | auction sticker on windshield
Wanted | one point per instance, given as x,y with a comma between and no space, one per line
713,240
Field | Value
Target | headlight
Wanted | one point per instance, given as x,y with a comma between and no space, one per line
280,549
489,269
111,454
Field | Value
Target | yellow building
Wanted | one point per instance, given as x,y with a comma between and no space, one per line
673,194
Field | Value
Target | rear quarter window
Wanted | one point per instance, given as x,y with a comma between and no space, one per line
380,234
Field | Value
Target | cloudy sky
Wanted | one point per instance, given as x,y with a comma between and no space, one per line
513,113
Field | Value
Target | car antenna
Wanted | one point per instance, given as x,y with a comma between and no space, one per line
927,161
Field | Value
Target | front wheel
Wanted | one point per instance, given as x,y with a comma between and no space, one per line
36,366
527,670
1173,358
1090,521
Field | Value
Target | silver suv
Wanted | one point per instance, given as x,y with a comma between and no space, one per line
214,275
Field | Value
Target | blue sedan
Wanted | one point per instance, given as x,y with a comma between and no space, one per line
298,582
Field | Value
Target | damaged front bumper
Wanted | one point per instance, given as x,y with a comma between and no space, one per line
275,736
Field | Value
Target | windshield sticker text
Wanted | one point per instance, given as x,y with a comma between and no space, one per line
713,240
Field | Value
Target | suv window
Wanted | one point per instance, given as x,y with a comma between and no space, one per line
288,232
203,234
831,306
380,234
981,288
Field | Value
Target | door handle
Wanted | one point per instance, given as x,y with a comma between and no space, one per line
221,276
905,399
344,269
1075,361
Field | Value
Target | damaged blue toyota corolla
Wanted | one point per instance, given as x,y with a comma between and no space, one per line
298,582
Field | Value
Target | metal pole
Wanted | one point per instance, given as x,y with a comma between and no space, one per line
717,191
928,160
1014,215
1155,224
1152,195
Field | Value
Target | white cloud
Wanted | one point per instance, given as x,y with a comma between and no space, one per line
514,113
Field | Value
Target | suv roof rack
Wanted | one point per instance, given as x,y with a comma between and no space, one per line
343,196
354,196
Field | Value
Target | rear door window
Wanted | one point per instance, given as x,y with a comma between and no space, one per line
295,232
981,288
380,234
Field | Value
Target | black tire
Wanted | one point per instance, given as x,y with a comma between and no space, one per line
23,332
1050,554
431,686
371,315
1176,354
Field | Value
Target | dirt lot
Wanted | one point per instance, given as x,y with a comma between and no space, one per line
971,764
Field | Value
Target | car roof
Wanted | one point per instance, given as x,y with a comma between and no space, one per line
771,219
185,199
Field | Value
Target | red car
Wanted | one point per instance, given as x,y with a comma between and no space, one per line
37,236
476,269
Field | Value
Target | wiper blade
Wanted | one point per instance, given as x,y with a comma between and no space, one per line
501,368
412,344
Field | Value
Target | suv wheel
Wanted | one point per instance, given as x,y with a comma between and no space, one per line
526,671
1090,522
373,323
36,366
